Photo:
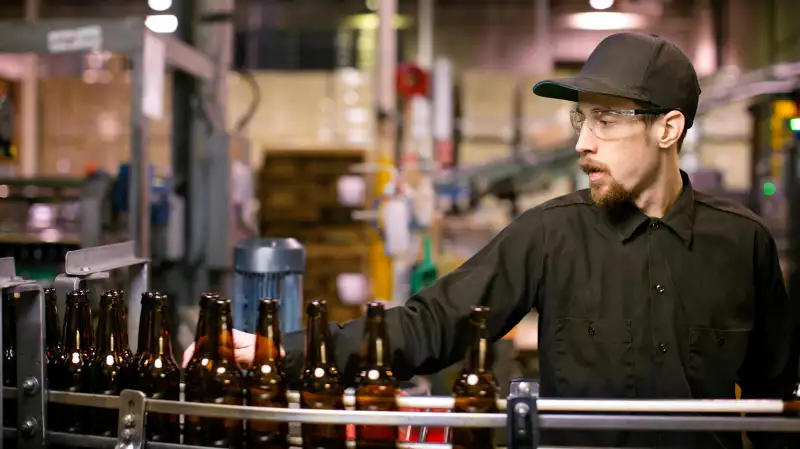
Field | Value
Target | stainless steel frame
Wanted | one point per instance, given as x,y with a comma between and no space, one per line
83,266
524,413
126,36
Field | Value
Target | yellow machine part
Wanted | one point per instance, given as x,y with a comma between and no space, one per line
380,263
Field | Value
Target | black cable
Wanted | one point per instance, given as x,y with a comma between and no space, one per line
242,123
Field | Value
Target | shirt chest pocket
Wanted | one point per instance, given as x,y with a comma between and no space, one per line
593,359
715,357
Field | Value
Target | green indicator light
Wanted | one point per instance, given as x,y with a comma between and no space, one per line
769,188
794,124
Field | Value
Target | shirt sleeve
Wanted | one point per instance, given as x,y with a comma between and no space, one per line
425,333
770,369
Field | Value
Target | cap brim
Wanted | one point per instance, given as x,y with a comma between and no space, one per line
568,89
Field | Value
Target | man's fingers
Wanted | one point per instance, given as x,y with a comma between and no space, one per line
244,348
187,355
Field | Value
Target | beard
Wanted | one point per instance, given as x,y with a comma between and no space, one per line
606,192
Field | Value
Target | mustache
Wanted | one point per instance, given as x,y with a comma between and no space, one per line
590,166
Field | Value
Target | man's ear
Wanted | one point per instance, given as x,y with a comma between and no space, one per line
673,123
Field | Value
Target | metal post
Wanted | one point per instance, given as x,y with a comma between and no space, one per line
130,430
31,362
29,104
387,62
138,191
544,54
425,51
523,414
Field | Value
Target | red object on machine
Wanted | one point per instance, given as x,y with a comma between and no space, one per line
412,80
411,434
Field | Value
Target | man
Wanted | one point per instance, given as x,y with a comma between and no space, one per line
645,288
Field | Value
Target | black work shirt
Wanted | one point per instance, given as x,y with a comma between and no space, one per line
630,307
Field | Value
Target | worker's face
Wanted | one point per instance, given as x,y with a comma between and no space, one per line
616,151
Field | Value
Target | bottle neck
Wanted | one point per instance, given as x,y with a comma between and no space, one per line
375,347
480,356
51,337
109,338
145,327
318,345
268,340
220,334
160,338
74,333
85,322
119,316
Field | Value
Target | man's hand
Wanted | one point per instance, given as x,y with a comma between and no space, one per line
244,349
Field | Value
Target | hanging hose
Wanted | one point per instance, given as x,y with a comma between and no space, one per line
242,123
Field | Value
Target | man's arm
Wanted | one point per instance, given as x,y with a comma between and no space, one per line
426,335
770,369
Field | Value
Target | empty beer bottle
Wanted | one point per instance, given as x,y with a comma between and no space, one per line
321,382
159,374
54,351
89,343
266,382
121,314
76,358
106,366
475,390
200,330
213,376
130,376
9,357
376,388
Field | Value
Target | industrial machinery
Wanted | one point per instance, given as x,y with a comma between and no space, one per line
186,223
43,218
523,413
268,268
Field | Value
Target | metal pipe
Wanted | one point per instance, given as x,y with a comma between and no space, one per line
730,406
29,104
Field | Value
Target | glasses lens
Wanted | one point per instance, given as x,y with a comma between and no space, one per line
577,120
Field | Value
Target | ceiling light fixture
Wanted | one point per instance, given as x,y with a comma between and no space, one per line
159,5
602,20
163,24
601,4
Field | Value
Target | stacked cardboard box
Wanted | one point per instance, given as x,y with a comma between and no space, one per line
299,198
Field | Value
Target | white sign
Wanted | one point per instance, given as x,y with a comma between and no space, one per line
155,61
75,39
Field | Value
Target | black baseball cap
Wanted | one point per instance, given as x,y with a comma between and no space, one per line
640,67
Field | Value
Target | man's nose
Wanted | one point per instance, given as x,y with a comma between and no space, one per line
587,142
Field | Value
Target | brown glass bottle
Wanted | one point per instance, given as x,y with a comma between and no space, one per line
9,357
54,350
200,330
76,357
130,376
376,387
213,376
475,390
105,368
90,343
120,314
321,382
160,375
266,381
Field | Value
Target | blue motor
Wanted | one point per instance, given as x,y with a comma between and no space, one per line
268,268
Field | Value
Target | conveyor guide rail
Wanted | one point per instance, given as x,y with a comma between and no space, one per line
524,413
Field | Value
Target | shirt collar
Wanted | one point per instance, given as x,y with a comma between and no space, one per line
680,217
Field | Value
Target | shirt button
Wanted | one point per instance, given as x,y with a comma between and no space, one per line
591,331
720,340
660,288
663,348
655,224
